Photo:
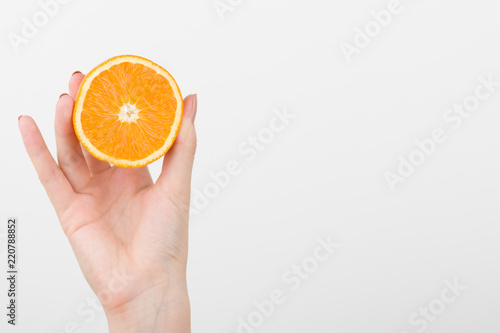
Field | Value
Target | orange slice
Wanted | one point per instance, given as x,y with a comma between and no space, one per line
128,111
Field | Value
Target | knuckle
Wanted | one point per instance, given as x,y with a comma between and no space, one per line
70,160
191,142
187,138
179,196
177,192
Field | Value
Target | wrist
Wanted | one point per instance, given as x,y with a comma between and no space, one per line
158,309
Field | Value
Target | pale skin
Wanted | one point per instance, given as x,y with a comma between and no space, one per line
129,234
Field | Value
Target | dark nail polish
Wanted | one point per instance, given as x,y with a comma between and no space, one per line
62,95
77,72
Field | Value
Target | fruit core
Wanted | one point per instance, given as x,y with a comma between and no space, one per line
128,113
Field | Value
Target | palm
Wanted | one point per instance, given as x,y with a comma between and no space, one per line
125,230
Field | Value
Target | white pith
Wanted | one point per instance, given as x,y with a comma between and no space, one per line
128,113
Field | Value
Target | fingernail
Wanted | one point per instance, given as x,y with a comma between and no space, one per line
77,72
62,95
195,106
19,117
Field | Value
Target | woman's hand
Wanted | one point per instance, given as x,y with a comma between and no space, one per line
129,234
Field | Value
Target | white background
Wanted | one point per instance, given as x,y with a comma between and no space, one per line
323,175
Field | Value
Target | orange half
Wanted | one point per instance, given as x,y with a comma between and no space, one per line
128,111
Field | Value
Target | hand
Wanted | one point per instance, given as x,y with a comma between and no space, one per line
129,234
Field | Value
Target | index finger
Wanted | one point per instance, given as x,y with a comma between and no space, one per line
56,184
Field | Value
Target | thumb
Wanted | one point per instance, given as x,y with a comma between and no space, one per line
175,176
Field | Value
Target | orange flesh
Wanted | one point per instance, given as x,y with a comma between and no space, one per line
128,111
